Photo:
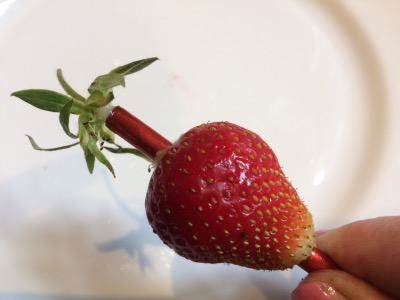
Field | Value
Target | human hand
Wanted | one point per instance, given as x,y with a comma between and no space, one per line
368,254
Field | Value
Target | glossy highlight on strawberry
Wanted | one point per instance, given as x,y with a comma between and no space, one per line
218,195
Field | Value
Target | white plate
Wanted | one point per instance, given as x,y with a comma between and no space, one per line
316,79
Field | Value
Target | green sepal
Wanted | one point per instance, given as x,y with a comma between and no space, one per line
47,100
83,135
92,147
105,83
67,88
90,160
37,147
121,150
133,67
64,119
107,135
98,99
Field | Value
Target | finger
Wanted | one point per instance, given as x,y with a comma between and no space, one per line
336,285
368,249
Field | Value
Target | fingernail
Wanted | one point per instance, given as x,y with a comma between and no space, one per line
316,291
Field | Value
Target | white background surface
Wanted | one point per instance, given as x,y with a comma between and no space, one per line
318,80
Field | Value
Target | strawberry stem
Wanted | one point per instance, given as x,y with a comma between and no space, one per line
135,132
317,260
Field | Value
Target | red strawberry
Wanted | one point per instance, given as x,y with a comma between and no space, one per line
218,195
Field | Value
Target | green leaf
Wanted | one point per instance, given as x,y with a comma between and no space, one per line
83,134
90,160
46,100
36,147
97,99
64,119
105,83
100,156
133,66
121,150
67,88
106,134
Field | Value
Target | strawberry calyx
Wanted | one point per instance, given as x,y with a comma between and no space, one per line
93,135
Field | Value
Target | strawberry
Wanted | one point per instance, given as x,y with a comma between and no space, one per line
218,195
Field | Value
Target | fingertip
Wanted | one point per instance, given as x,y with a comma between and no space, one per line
316,290
320,232
350,248
336,284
